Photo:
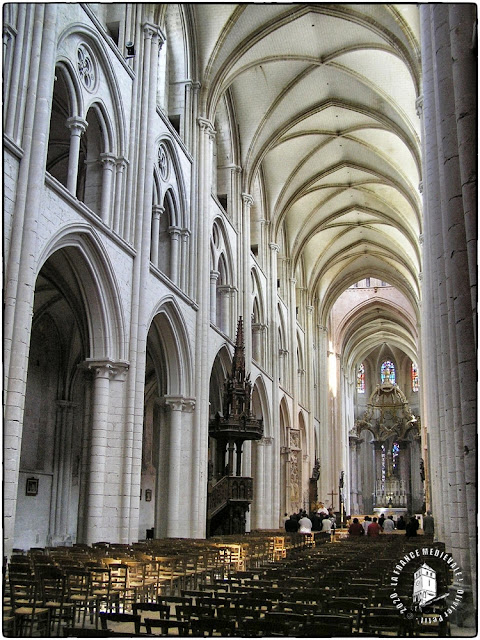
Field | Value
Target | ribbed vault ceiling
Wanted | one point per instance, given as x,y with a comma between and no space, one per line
324,97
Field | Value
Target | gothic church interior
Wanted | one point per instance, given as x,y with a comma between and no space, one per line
240,268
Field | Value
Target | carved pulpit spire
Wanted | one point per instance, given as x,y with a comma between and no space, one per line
229,498
238,365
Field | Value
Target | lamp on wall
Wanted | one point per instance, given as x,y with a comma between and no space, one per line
130,49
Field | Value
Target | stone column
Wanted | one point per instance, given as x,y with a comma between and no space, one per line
275,362
118,206
157,211
98,450
406,470
174,252
224,321
449,173
352,442
184,261
175,404
77,127
464,70
108,162
202,184
142,205
377,446
270,507
259,484
213,296
21,267
62,471
247,200
12,88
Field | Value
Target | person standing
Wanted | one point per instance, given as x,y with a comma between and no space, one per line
428,525
411,528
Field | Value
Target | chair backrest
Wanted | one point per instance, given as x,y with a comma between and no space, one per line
163,610
121,621
182,627
78,581
53,583
23,592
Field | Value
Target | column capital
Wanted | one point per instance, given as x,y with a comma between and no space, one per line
111,369
247,199
157,210
151,30
214,275
108,159
121,163
77,125
274,247
207,127
175,403
309,308
420,186
174,231
186,233
179,403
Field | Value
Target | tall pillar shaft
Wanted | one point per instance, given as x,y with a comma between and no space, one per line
21,266
77,128
174,466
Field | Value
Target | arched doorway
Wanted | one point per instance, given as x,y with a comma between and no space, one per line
167,430
76,338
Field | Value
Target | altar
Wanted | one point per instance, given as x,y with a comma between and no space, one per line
385,443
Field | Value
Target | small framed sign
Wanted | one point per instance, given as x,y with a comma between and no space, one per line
148,495
31,488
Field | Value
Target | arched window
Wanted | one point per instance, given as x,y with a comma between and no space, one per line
387,372
361,378
414,377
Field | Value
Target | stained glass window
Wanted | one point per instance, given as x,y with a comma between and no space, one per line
395,452
361,378
387,372
414,376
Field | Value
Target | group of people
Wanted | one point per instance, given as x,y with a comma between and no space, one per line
322,520
374,526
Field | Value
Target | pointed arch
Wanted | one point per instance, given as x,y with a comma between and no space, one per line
100,291
172,335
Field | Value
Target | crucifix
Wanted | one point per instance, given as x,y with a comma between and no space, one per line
332,493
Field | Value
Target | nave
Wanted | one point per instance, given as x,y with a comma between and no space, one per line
257,585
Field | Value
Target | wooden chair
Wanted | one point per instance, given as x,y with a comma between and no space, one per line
101,587
27,607
327,626
79,593
54,592
163,610
376,620
118,581
181,628
120,622
212,627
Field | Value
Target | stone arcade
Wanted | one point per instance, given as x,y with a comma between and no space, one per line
170,168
